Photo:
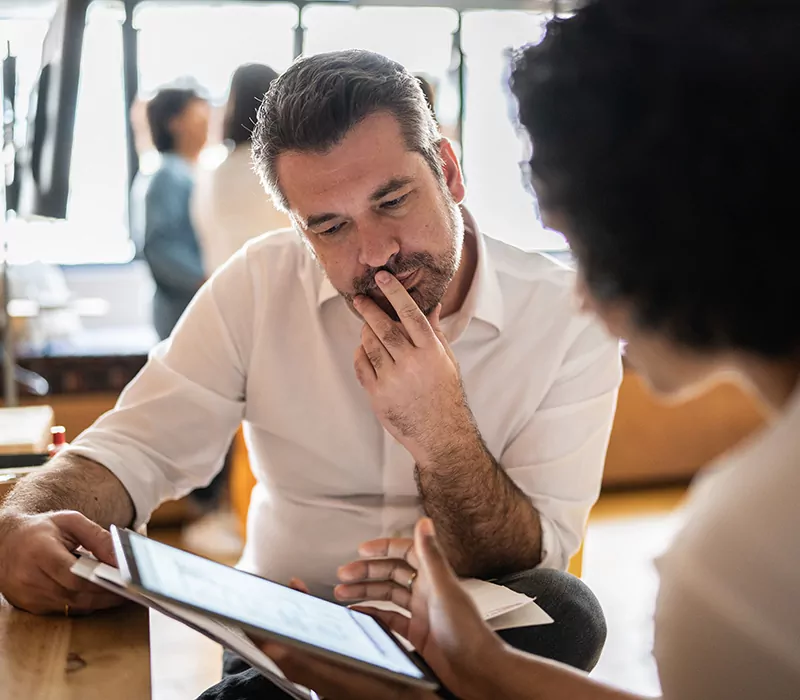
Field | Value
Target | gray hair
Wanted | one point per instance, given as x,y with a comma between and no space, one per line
319,99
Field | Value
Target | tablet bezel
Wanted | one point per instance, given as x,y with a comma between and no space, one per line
126,563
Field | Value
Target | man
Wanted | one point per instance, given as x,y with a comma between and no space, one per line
380,362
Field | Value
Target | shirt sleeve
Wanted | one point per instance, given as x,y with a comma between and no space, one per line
558,457
173,424
170,242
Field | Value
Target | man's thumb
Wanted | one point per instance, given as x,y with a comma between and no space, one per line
88,534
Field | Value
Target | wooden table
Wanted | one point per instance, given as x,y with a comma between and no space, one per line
103,656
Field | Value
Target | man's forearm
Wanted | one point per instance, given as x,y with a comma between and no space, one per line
488,527
71,482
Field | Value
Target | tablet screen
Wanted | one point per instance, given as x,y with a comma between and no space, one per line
247,599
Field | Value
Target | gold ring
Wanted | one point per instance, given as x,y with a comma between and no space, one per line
66,609
411,580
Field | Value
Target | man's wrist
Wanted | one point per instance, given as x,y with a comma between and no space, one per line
456,441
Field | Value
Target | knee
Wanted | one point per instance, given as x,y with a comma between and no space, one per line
578,632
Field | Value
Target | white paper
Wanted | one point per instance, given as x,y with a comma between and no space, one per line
499,606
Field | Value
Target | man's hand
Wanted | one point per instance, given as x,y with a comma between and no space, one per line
386,570
445,628
36,553
410,373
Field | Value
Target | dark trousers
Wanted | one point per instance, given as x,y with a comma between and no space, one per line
576,636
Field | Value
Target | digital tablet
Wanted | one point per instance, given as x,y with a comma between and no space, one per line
266,610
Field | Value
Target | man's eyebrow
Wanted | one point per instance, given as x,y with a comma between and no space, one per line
317,219
394,184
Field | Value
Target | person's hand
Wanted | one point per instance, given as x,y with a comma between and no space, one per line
331,680
386,571
445,628
334,681
410,373
36,553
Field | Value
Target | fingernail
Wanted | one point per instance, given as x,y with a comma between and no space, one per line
357,301
383,277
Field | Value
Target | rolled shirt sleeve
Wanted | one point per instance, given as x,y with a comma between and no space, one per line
173,424
558,458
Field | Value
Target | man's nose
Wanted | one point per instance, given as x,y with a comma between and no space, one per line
377,246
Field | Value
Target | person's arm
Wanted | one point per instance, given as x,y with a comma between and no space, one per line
72,482
171,247
445,627
519,676
486,524
557,456
529,506
167,435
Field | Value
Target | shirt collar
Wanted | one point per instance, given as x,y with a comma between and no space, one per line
484,301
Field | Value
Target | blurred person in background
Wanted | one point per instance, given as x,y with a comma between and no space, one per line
229,205
178,120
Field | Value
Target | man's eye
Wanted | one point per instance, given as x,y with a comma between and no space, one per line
394,203
330,231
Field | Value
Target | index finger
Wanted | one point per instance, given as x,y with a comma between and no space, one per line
389,548
410,315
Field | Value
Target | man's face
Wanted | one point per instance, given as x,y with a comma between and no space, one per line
370,204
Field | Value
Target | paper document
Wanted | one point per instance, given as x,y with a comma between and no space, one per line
499,606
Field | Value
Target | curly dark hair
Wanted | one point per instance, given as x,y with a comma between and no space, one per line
666,133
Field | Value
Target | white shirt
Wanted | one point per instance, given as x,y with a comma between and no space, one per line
728,614
230,207
268,340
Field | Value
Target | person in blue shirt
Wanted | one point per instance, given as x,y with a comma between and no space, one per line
178,120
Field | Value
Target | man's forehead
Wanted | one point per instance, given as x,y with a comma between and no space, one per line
311,189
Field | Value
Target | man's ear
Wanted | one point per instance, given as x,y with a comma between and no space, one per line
451,169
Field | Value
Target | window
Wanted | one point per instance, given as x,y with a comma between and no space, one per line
493,147
98,196
24,36
207,42
420,38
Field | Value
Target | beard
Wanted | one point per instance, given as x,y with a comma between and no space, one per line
434,272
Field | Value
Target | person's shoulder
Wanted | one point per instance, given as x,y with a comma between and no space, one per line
532,280
276,267
530,267
281,253
745,495
167,177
